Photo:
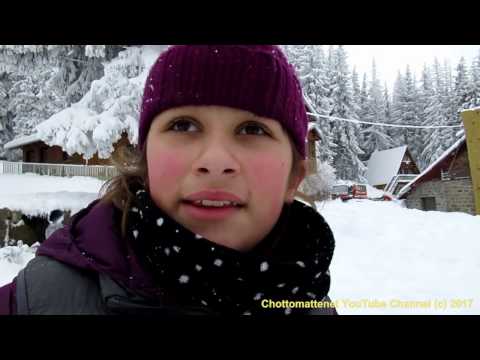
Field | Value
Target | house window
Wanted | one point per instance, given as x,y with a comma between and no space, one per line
429,203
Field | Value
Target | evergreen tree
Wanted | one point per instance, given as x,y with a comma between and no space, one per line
463,87
375,137
436,113
475,81
345,134
46,79
310,64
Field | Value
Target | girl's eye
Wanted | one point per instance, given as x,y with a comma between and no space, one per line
183,125
253,129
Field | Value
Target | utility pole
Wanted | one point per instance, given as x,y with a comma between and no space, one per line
471,122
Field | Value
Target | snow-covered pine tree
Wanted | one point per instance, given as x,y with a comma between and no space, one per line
48,78
356,90
375,137
436,113
409,116
6,131
427,114
450,103
363,100
345,134
404,108
416,140
398,96
463,86
108,109
475,80
388,105
310,65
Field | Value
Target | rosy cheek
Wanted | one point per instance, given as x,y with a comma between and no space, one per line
164,169
270,177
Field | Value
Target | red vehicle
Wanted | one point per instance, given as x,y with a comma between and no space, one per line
347,192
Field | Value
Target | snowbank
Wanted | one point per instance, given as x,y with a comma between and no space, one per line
13,259
37,195
387,253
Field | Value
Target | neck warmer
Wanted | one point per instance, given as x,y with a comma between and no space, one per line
290,263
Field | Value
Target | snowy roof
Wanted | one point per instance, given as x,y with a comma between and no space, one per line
110,107
384,165
23,140
447,152
472,109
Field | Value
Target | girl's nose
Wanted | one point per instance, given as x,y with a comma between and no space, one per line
205,170
216,160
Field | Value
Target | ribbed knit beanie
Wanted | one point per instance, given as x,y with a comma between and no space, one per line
255,78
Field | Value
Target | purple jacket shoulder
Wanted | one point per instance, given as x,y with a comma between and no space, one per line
7,299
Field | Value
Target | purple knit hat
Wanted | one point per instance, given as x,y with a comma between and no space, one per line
257,78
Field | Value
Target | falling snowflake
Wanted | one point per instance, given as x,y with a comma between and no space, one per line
218,262
300,263
264,266
160,221
183,279
135,233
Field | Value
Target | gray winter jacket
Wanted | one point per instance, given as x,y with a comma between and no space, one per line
48,287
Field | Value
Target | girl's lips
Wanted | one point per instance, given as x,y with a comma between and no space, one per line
209,213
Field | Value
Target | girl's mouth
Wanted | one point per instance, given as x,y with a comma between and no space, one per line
211,210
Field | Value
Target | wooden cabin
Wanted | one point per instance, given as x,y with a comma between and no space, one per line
446,185
36,151
390,170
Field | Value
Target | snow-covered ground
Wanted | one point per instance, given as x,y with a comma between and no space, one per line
13,259
38,195
401,257
386,256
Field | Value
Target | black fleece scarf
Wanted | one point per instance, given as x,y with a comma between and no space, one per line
291,263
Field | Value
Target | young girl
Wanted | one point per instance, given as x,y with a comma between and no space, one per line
203,220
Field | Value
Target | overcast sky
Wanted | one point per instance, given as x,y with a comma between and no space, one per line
391,58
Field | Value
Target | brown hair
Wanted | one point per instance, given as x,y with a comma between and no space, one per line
131,164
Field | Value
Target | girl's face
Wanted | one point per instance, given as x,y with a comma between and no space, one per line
222,154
